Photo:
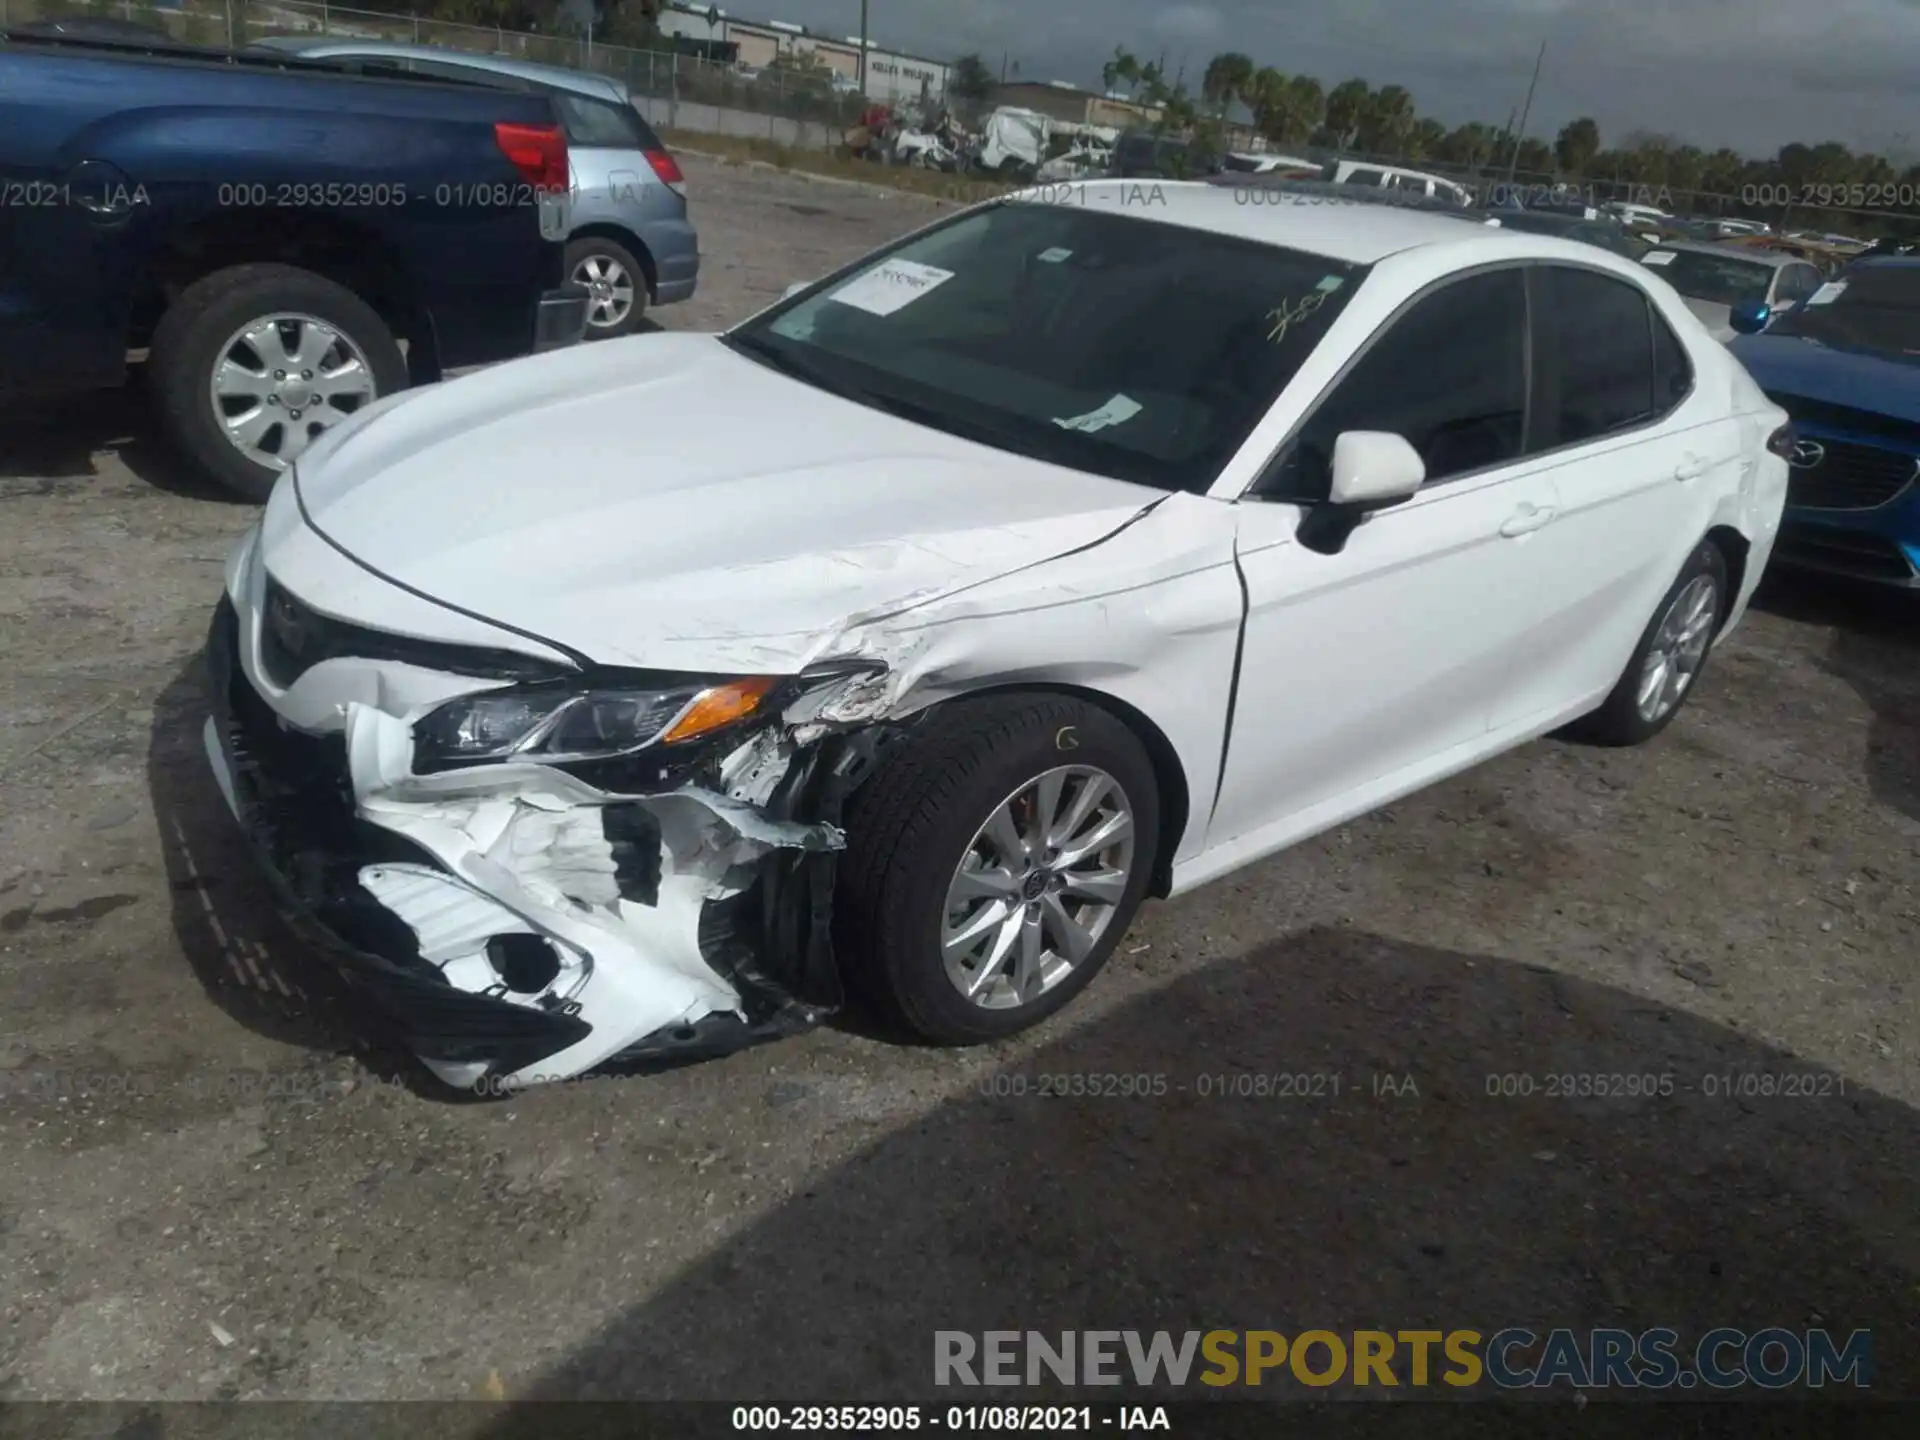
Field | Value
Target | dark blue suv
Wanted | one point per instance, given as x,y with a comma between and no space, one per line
1845,365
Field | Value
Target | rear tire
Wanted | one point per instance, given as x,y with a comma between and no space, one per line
616,281
1673,649
190,350
921,832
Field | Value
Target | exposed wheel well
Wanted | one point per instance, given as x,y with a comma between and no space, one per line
343,252
1734,548
627,240
1175,798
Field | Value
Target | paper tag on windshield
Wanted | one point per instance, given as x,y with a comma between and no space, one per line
890,285
1827,293
1658,257
1116,411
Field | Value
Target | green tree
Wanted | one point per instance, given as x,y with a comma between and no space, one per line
1346,110
1226,80
1384,120
1578,143
971,79
1426,140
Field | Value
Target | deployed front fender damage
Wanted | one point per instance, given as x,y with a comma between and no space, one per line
632,913
658,914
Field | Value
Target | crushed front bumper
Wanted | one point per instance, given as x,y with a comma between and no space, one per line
664,962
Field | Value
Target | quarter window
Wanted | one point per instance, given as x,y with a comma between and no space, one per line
1449,375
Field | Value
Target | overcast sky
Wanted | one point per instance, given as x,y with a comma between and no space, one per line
1751,74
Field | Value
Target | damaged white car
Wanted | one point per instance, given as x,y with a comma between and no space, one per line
630,702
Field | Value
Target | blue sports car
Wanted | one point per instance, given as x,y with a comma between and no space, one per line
1845,364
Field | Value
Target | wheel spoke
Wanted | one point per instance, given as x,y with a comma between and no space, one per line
1110,831
1046,805
1093,789
1070,938
235,379
1004,835
1653,680
993,884
348,378
1104,887
299,434
266,341
1029,975
980,922
1004,940
250,428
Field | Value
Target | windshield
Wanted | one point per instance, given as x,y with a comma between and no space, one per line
1870,307
1717,279
1112,344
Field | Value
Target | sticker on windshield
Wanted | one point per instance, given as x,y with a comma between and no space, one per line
891,285
1330,284
1658,257
1117,411
1827,293
1055,255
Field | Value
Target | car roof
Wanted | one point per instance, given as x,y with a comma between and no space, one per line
1358,232
580,82
1347,193
1773,259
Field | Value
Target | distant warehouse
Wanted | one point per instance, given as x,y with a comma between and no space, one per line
891,75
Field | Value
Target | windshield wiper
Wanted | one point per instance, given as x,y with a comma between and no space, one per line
790,365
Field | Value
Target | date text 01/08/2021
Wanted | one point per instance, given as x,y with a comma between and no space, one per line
895,1419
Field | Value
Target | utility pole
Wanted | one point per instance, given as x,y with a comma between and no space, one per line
863,47
1513,160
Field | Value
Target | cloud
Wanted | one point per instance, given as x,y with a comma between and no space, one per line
1751,74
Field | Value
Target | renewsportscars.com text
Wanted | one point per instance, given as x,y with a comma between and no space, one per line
1513,1358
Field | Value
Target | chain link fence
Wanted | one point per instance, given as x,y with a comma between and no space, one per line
787,105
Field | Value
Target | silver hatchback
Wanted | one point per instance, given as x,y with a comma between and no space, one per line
632,243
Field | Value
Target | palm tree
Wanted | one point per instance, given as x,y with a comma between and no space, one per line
1226,79
1346,108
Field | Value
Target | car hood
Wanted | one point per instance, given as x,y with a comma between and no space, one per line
664,502
1858,379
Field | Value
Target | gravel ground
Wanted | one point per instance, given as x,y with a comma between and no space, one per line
213,1190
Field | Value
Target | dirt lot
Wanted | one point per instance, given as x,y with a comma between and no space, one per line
797,1221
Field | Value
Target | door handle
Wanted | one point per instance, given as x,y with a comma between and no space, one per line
1691,468
1527,519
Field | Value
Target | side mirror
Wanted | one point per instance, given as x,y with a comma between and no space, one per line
1372,469
793,289
1750,317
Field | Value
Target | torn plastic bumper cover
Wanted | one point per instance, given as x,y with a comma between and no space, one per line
518,924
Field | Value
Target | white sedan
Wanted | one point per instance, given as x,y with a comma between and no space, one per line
634,701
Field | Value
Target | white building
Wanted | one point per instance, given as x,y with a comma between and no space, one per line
891,75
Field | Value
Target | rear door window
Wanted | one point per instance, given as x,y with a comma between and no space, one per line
1596,363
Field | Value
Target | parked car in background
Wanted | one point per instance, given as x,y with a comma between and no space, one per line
1650,217
1258,163
1326,192
633,243
1147,155
290,244
1604,233
1712,279
1846,366
1391,177
1253,518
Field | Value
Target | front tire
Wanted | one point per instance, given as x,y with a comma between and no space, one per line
1672,651
250,364
994,862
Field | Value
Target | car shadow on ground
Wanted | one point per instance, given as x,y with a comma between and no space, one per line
1402,1181
246,958
55,439
1876,650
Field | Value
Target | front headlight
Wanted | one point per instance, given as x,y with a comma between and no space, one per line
548,725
